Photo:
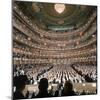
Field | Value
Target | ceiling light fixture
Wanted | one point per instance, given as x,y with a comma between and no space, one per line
59,8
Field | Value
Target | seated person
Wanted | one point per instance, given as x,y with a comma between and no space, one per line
43,88
19,83
68,89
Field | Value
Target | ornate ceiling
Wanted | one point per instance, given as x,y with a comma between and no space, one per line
47,16
60,8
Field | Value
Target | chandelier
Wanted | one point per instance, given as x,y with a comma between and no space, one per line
59,8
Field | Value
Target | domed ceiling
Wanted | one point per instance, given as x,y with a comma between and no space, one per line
57,17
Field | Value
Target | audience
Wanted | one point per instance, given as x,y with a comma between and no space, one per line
87,71
28,36
64,87
56,74
43,88
68,89
20,83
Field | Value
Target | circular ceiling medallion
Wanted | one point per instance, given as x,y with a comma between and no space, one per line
59,8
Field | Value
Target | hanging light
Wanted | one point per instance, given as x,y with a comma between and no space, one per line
59,8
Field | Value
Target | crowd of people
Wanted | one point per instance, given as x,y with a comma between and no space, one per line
54,44
70,43
21,92
21,81
22,51
31,44
57,74
45,75
88,72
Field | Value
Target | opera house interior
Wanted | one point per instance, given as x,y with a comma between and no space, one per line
54,49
